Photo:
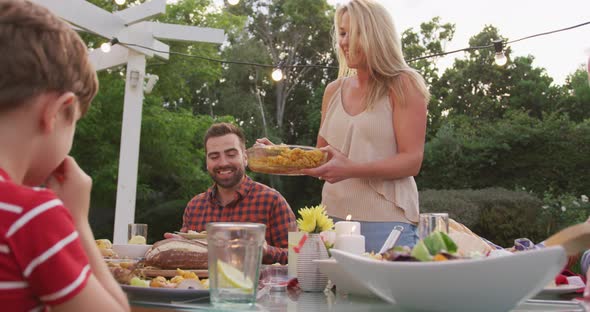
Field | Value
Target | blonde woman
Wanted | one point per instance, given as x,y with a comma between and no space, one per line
373,127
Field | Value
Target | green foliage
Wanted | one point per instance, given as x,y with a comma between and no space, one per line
518,150
496,214
563,210
430,40
162,218
575,97
289,32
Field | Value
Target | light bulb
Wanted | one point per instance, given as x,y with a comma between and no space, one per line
106,47
233,2
277,74
120,2
500,59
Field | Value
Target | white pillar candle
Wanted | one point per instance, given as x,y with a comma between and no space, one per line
347,228
352,243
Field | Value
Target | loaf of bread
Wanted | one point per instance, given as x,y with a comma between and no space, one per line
175,253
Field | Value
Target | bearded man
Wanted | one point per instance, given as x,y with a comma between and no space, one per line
235,197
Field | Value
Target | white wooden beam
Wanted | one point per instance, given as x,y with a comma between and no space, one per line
129,150
137,35
102,61
85,15
93,19
162,49
142,12
184,33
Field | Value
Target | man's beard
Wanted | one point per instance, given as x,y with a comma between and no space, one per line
230,182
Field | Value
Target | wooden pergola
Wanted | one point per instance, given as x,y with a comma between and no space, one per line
137,39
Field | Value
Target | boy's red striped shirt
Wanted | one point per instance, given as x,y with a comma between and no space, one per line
42,262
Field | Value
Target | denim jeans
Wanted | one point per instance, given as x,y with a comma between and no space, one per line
377,232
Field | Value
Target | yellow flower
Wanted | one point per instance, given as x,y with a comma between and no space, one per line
314,220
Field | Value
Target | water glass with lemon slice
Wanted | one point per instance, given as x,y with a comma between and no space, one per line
137,233
235,256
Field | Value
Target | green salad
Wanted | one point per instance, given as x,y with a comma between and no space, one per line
437,246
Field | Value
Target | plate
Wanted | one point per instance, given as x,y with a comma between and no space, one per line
485,284
153,272
561,289
345,283
191,235
163,294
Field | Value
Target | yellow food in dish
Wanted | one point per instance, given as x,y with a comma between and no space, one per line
287,160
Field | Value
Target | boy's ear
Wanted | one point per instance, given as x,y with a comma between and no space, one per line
63,104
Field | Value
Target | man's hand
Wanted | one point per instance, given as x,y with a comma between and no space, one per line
171,235
263,141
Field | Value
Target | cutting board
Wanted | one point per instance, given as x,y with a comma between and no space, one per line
152,272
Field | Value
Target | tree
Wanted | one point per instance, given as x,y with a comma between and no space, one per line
478,88
292,32
417,46
430,40
575,96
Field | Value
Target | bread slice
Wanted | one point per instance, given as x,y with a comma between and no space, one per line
175,253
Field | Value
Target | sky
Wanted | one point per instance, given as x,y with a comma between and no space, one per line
559,53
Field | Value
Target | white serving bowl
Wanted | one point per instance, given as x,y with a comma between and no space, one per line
131,251
345,283
486,284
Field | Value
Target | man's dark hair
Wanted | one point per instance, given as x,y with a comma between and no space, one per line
224,128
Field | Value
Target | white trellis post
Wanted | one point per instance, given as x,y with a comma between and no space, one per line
129,150
137,40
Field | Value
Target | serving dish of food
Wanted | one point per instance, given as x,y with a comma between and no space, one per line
345,283
184,285
433,270
284,159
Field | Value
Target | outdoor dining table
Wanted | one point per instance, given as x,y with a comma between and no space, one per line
331,301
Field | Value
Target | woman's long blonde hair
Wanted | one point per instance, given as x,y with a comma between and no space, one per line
373,33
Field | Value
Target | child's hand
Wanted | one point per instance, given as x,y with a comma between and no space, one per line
72,185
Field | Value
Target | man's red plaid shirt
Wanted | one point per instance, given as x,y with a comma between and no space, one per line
254,202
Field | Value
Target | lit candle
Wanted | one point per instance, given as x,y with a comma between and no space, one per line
347,227
348,236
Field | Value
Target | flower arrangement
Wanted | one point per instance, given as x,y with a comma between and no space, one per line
314,220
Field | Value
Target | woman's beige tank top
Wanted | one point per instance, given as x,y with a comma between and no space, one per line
366,137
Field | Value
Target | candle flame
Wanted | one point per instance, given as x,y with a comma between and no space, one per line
348,217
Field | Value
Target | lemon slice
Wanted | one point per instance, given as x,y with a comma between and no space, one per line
137,240
234,277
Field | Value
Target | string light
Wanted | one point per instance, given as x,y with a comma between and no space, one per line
277,74
120,2
233,2
500,59
106,47
492,45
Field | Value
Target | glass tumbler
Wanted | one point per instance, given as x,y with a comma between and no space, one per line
235,256
431,222
137,233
